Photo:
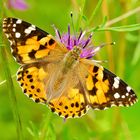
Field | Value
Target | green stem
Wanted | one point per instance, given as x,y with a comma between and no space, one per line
80,16
124,28
11,91
108,38
130,13
44,129
95,10
9,82
4,81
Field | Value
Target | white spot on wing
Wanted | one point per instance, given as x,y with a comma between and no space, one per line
96,109
4,25
18,21
29,29
116,95
121,104
4,30
113,105
33,26
14,25
11,42
7,35
115,85
105,108
128,88
14,29
17,35
127,94
123,96
116,82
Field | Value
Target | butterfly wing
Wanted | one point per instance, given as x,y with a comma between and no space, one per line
30,77
34,49
33,80
71,105
28,42
106,89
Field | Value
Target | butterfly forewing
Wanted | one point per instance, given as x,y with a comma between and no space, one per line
28,42
106,89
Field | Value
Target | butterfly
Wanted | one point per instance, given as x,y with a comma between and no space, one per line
61,73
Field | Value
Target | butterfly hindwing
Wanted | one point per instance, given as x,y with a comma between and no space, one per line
106,89
30,77
33,79
28,42
71,105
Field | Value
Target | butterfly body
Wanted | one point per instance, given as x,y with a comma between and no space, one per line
61,72
71,59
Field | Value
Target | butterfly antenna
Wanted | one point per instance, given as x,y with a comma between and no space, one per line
106,44
102,45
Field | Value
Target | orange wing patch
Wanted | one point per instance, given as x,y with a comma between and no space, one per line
71,105
29,43
30,79
106,90
34,49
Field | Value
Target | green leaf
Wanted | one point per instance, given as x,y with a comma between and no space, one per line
33,130
126,28
50,133
104,22
95,10
85,18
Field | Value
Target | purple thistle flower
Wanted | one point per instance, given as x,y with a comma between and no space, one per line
69,41
17,4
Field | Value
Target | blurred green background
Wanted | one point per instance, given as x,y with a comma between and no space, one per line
37,121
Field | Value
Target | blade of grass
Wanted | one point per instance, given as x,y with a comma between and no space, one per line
4,81
45,127
108,36
126,28
130,13
11,91
33,130
50,133
95,11
104,21
9,82
80,15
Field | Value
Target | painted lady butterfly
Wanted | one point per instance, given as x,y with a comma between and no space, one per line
61,72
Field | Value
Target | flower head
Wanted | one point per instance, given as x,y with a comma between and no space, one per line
69,41
17,4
